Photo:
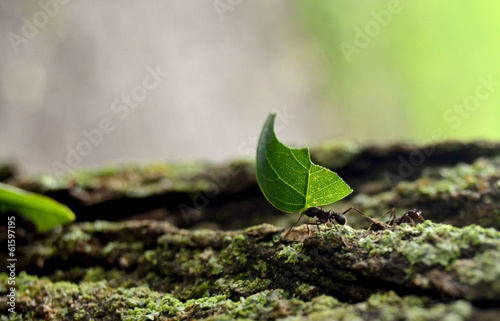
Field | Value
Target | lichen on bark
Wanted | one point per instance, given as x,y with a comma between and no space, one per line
444,268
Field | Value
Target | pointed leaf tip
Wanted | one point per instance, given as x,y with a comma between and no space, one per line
288,178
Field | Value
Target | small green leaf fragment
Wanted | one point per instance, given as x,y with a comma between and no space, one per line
288,178
44,212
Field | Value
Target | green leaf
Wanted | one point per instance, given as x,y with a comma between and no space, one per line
43,211
288,178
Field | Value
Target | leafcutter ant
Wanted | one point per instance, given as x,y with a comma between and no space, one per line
409,217
323,217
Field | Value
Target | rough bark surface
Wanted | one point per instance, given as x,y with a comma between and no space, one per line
132,264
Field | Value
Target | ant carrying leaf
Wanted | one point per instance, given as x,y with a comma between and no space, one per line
323,217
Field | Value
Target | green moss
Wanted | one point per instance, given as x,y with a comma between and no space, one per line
235,251
151,257
481,272
262,267
305,290
293,253
448,194
187,267
204,303
241,285
257,305
26,281
169,305
134,180
217,267
428,243
424,253
217,275
75,235
189,261
442,244
321,304
464,180
119,247
380,243
139,314
331,233
96,300
239,240
387,306
203,236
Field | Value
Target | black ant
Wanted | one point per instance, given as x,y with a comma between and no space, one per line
409,217
323,217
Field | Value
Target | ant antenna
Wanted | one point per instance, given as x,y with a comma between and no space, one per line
393,214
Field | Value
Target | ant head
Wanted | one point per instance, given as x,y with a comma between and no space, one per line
416,215
340,218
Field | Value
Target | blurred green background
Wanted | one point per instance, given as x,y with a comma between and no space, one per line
360,71
407,69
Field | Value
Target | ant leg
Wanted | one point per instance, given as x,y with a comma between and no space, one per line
335,225
405,219
340,234
300,216
392,218
393,214
355,209
307,225
315,223
376,224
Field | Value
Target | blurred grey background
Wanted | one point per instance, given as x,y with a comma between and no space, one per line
93,82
